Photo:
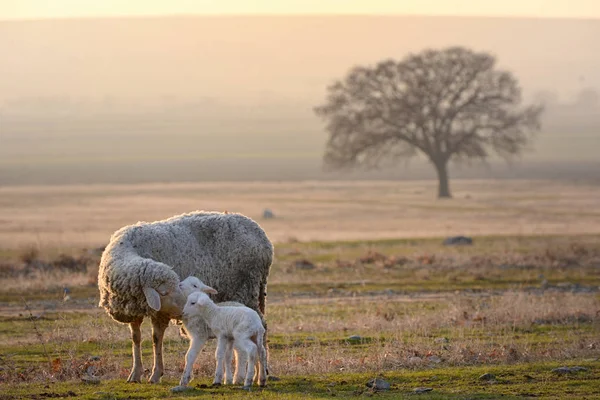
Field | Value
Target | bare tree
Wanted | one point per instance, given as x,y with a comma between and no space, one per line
449,104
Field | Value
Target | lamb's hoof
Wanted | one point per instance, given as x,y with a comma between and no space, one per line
180,388
246,388
184,381
134,378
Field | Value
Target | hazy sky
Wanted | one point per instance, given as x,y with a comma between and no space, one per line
27,9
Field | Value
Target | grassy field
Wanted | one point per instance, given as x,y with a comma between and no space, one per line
359,289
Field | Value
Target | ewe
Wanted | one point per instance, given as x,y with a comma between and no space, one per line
142,266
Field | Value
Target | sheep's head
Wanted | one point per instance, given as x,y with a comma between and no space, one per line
166,298
195,301
192,284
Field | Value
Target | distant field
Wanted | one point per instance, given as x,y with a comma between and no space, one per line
64,217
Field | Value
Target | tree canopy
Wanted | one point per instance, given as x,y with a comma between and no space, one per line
449,104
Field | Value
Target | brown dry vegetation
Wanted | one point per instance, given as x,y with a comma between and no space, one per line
367,305
412,305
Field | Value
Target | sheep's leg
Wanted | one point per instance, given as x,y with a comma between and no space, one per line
220,354
262,300
228,360
248,347
196,343
136,349
159,325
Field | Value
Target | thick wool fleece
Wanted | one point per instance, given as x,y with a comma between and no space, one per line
229,252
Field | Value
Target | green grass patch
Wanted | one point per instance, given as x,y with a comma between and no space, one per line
510,382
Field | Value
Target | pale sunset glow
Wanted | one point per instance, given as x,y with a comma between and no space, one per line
41,9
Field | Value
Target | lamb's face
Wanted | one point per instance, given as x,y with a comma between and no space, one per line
195,301
192,284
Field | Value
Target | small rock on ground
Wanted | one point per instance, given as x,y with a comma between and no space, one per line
487,377
91,380
568,370
458,241
420,390
179,389
378,384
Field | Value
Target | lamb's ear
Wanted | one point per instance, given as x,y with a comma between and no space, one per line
152,297
209,290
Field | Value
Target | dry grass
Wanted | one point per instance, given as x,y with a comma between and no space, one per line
85,216
414,304
310,337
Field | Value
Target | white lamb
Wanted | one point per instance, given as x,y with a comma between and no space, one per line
240,323
190,285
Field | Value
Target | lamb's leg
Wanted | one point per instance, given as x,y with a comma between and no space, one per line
246,346
240,367
228,360
159,325
262,362
220,354
196,343
136,349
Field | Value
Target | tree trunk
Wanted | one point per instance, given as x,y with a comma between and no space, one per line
444,187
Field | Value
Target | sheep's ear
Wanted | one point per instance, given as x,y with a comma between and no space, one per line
152,297
209,290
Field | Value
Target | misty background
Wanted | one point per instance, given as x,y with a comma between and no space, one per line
152,99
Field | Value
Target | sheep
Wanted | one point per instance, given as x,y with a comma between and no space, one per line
188,286
142,265
243,324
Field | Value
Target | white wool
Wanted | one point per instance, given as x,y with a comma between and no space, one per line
241,323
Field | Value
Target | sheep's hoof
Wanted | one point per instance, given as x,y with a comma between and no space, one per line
247,387
155,378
